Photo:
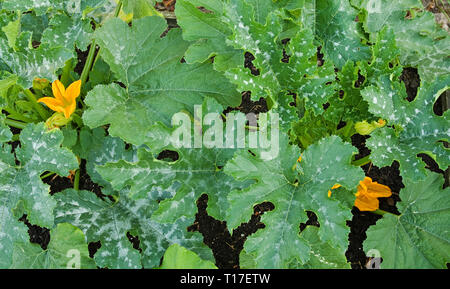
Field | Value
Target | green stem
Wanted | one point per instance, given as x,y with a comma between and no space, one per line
15,123
88,65
116,14
15,137
17,116
361,162
65,76
47,175
76,182
382,212
32,98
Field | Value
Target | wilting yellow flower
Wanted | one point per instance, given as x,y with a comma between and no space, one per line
64,100
300,158
332,188
365,128
40,83
368,194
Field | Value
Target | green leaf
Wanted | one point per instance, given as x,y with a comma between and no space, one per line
422,42
5,132
208,31
43,6
323,255
99,149
12,31
336,26
67,249
67,32
199,170
418,238
292,188
109,223
40,151
157,84
11,231
177,257
421,131
29,63
140,8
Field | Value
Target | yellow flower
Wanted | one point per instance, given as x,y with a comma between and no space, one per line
365,128
300,158
64,100
368,194
332,188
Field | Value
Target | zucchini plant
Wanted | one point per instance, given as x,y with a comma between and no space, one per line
114,124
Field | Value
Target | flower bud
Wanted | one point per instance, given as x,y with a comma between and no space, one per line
57,120
40,83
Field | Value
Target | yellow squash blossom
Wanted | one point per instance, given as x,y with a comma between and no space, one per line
332,188
64,100
365,128
368,194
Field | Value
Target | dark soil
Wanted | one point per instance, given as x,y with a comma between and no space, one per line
226,247
58,183
248,63
410,77
37,234
249,106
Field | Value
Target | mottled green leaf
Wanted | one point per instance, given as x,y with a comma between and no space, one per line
157,84
336,26
418,238
110,222
419,130
67,249
292,188
67,32
422,42
39,152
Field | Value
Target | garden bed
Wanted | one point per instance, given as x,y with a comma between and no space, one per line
111,180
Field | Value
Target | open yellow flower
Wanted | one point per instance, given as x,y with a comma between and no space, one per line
368,194
64,100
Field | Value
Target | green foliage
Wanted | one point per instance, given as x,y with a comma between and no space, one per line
293,189
67,249
320,66
177,257
109,222
157,84
418,237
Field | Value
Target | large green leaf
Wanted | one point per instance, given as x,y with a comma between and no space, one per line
157,84
30,63
422,42
109,223
262,41
11,231
21,189
292,188
98,149
209,31
197,171
421,131
418,238
40,151
43,6
336,26
177,257
68,32
67,249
